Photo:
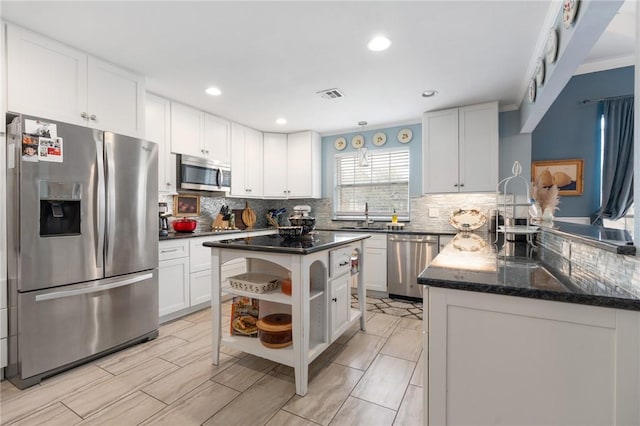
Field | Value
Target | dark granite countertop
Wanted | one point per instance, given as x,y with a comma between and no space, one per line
381,229
481,266
178,235
323,240
613,240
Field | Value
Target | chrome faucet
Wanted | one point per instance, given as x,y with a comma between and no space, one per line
367,221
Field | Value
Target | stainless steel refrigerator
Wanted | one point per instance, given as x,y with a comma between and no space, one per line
82,245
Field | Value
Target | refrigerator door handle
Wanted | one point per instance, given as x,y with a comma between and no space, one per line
93,289
100,206
111,197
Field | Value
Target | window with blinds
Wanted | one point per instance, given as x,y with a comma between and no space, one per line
383,183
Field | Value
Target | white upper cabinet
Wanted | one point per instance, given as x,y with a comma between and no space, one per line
51,80
460,149
217,139
199,134
304,162
187,130
158,129
115,99
275,165
246,161
292,165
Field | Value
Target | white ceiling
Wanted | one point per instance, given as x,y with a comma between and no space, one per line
270,58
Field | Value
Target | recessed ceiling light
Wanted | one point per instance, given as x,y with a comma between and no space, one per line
379,43
429,93
281,121
213,91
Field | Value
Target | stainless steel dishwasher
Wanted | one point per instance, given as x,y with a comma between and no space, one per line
408,255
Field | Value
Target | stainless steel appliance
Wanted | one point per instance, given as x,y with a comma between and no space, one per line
408,255
82,245
203,175
163,224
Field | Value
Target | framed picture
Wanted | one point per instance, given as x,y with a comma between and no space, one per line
565,174
186,205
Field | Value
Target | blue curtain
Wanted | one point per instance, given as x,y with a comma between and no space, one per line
617,167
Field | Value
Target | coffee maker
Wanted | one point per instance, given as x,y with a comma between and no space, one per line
164,219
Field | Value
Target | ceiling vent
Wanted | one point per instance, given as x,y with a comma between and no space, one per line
331,94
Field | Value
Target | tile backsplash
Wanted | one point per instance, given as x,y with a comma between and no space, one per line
590,266
441,207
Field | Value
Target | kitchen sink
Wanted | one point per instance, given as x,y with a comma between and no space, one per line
374,228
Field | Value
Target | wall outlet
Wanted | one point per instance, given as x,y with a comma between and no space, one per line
566,249
434,212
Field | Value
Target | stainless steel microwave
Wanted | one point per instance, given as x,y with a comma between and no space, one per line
203,175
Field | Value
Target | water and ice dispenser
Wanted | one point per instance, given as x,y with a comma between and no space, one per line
60,208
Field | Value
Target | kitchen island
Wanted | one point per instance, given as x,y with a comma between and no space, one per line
321,269
513,341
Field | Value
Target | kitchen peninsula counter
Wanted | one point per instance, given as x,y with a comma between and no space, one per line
508,342
322,270
486,270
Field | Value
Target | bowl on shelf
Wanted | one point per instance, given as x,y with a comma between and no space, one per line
185,225
290,232
274,331
308,223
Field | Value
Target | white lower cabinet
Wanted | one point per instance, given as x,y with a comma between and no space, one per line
339,305
173,285
495,359
375,265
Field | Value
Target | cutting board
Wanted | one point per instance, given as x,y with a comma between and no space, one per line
249,216
239,223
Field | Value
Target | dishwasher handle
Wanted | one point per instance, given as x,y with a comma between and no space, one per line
413,238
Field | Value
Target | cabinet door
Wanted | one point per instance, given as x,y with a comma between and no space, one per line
440,151
253,163
157,129
200,287
173,285
187,126
238,186
115,99
217,139
45,78
303,165
275,165
375,269
199,255
478,147
340,305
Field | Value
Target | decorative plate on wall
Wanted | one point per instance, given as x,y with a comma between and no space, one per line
570,8
532,90
540,72
357,141
405,135
552,46
379,139
340,143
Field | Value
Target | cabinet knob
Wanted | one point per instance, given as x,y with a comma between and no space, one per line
93,117
84,115
455,184
206,151
462,184
335,299
168,183
202,150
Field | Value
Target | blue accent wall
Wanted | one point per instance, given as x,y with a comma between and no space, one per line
571,129
514,146
414,146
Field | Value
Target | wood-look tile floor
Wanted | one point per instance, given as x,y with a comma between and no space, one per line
365,378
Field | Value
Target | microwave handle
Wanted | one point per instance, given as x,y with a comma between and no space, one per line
219,177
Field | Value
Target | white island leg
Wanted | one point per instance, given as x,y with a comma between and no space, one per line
216,307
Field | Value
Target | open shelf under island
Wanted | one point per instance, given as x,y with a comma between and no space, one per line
321,270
